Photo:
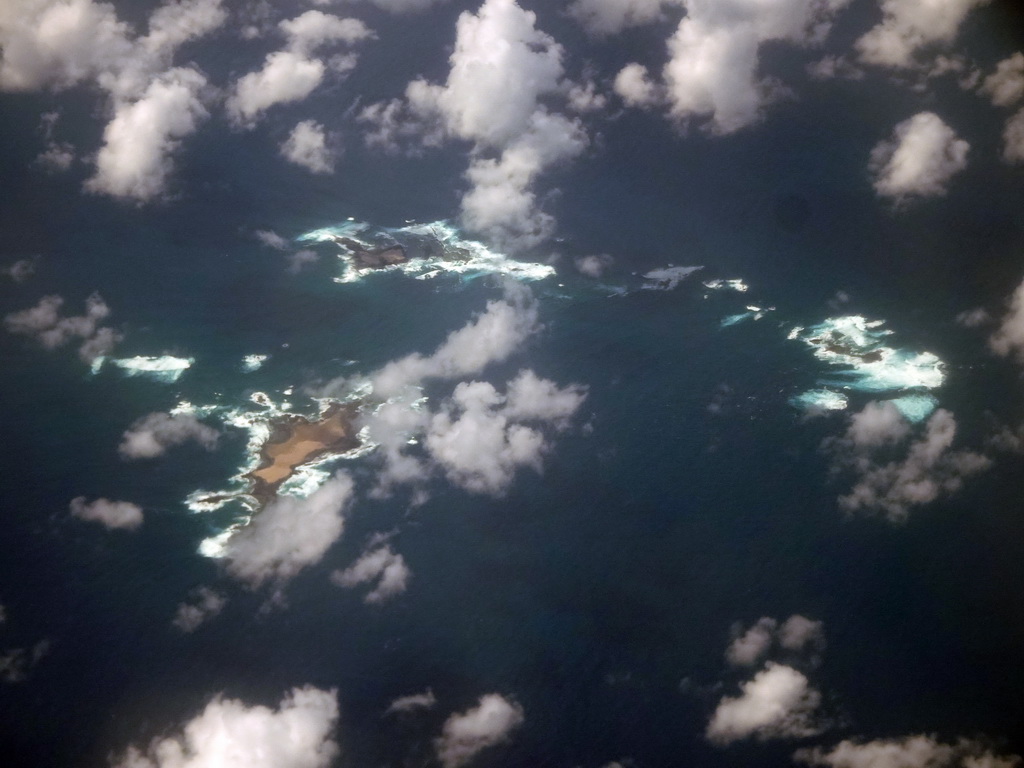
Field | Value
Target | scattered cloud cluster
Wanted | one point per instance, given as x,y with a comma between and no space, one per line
1005,87
380,566
467,734
58,44
907,752
154,433
504,72
45,324
21,270
779,701
919,159
797,634
910,28
17,663
292,74
112,514
593,265
713,68
927,469
206,605
289,534
230,734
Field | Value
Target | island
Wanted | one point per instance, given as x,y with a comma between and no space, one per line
372,258
295,441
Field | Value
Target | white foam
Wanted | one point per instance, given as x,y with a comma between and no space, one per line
252,363
667,278
915,408
727,285
820,399
165,368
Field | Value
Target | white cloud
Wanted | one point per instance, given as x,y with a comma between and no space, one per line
928,470
381,565
112,514
289,534
1009,337
298,260
314,29
21,270
634,86
490,337
229,734
606,17
154,433
585,98
909,27
135,159
714,58
501,69
879,423
57,157
286,77
973,318
753,645
206,605
307,145
906,752
777,703
16,663
919,159
413,702
271,239
796,634
1005,86
1013,138
466,734
593,265
45,324
62,43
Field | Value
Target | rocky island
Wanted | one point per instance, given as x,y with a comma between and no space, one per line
372,258
295,441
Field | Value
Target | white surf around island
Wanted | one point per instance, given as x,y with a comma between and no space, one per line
431,249
166,369
862,359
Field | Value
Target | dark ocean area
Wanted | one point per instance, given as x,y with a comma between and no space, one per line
599,592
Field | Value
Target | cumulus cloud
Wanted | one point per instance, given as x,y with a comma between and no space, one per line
796,634
17,663
112,514
206,605
307,145
1008,339
289,534
290,75
919,159
778,702
297,261
1005,86
135,159
413,702
1013,138
503,70
490,337
286,77
910,27
230,734
973,318
712,71
928,470
907,752
607,17
57,157
154,433
634,86
45,324
271,239
380,565
468,733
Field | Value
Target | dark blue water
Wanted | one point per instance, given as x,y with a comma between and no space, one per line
590,592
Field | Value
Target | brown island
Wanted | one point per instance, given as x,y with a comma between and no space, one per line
295,441
373,258
838,349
